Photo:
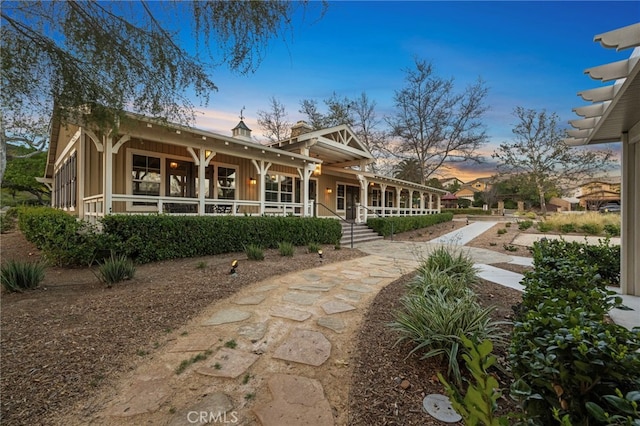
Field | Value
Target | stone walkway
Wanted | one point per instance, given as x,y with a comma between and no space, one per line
268,354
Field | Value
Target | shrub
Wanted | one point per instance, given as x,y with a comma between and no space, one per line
612,229
454,263
502,231
591,228
545,226
563,360
435,322
568,227
254,252
8,220
18,276
387,226
524,225
467,211
313,247
507,225
286,249
116,269
151,238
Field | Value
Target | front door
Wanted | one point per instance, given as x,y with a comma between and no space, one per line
352,198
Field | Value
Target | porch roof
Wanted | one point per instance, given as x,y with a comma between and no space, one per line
614,110
337,146
379,179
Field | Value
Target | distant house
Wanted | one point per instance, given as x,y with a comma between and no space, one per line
150,166
469,189
597,192
449,201
450,181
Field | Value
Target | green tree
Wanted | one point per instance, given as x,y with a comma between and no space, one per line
434,124
338,112
540,159
24,165
409,170
127,55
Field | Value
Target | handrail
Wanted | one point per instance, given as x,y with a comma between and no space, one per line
376,213
336,215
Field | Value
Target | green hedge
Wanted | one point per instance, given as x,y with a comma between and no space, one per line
159,237
565,357
397,224
467,211
65,240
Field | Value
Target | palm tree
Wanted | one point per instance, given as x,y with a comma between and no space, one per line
408,169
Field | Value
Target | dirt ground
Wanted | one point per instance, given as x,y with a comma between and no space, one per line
73,337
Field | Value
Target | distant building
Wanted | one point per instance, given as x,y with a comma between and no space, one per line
594,193
468,190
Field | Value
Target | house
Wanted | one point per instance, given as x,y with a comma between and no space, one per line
451,182
449,201
469,189
614,116
150,166
597,192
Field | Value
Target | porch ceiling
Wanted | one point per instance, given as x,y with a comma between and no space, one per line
615,107
372,177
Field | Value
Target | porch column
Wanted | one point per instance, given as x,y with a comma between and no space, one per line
383,198
80,172
364,196
262,170
107,165
202,162
438,200
398,193
630,236
430,201
421,202
305,173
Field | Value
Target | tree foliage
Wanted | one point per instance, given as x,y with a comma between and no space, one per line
433,123
541,160
338,112
24,165
128,55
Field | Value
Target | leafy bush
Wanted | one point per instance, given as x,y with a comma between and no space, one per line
564,356
507,225
116,269
524,225
18,276
502,231
63,239
564,359
313,247
8,220
254,252
612,229
286,249
568,227
591,228
544,226
387,226
480,400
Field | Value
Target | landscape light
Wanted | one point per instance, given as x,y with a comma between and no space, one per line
320,253
234,266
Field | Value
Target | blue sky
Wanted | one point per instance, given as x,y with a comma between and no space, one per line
530,54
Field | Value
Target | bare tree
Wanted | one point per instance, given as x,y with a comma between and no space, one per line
119,55
338,112
274,122
366,125
539,155
434,124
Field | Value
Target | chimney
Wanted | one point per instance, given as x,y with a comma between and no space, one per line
300,128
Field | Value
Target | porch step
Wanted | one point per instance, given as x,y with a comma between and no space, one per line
361,234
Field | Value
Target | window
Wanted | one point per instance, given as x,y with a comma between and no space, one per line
389,198
375,197
281,189
226,183
180,182
145,177
65,183
340,197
